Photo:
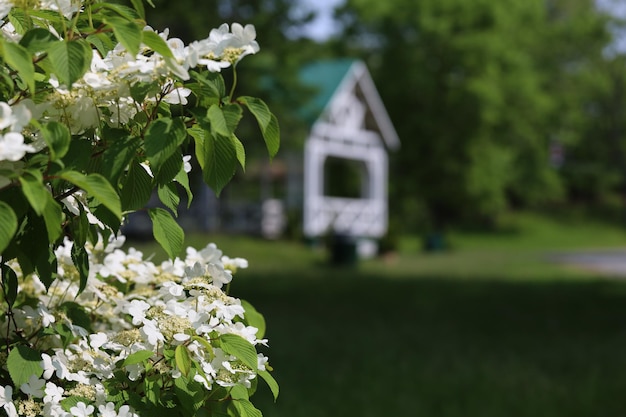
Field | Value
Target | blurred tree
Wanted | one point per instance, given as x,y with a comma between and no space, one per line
477,91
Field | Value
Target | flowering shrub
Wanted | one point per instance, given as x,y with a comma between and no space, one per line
98,111
139,338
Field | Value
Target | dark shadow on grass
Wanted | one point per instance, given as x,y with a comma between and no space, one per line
347,343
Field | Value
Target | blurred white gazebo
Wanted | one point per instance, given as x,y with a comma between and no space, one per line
350,123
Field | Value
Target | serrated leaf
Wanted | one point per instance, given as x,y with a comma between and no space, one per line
166,171
8,225
10,284
127,32
77,314
118,156
220,160
53,217
23,362
166,231
183,179
69,402
169,196
70,60
156,43
137,357
136,188
37,40
20,20
162,138
98,187
34,190
246,409
271,382
268,124
183,361
21,61
138,5
232,115
240,348
80,258
253,318
57,137
215,115
240,150
239,392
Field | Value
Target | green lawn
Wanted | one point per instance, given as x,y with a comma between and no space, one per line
486,329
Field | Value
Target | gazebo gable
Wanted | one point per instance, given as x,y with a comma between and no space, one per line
352,124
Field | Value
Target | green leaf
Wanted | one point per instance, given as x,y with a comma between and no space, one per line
77,314
166,172
215,115
240,348
20,20
183,179
21,61
69,402
219,161
253,318
232,115
34,190
38,40
127,32
240,150
57,137
136,188
10,284
8,225
271,382
157,44
53,217
162,138
245,408
98,187
137,357
138,5
266,120
22,363
118,155
169,196
183,361
102,42
80,257
166,231
239,392
70,60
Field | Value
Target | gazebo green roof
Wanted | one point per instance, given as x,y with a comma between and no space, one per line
324,77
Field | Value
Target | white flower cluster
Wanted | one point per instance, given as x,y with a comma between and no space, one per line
104,92
133,306
66,7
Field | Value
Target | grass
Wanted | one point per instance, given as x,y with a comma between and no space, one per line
487,329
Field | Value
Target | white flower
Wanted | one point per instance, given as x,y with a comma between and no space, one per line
34,387
152,333
177,96
107,410
53,393
137,309
6,395
46,364
219,275
97,340
82,410
12,147
186,163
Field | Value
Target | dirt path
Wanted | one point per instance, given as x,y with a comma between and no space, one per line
606,261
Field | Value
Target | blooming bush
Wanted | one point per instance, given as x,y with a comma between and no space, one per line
98,111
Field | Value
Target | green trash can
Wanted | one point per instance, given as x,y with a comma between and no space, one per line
343,250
